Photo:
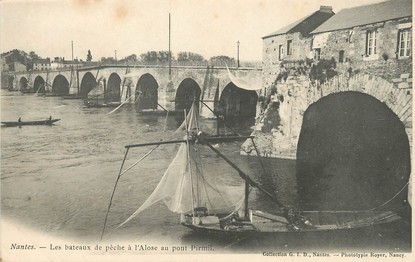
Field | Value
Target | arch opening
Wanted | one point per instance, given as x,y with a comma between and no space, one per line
113,93
237,103
187,92
39,84
353,154
148,87
87,84
23,83
60,86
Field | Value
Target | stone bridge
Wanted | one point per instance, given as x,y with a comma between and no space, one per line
171,88
278,128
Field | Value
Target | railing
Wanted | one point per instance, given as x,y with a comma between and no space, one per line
190,64
220,64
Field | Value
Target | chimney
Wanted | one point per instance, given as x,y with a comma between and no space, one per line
326,9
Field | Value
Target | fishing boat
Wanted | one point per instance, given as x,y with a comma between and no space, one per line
90,104
209,208
48,121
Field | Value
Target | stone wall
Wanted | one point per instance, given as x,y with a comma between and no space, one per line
353,42
301,47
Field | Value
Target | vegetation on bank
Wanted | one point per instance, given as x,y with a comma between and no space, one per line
149,57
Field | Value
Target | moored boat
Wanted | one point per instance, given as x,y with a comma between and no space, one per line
99,105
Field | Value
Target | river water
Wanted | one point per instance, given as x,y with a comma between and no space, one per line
57,180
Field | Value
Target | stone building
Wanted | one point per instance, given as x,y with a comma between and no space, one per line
41,64
291,43
373,39
344,128
370,47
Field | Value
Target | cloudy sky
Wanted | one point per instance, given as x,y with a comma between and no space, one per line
207,27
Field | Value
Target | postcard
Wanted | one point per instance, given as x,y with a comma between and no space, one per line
199,130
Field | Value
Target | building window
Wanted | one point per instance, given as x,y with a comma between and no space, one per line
371,43
317,53
280,52
404,45
341,56
289,47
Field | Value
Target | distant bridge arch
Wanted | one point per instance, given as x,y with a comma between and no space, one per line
187,91
87,84
113,93
148,87
60,86
236,102
23,83
39,84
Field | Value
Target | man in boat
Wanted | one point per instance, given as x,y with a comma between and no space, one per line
50,117
296,220
20,120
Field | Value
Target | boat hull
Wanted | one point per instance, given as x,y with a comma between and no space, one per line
30,123
261,223
93,105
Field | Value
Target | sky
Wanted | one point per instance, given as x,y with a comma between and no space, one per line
125,27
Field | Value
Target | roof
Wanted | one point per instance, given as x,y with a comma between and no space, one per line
41,60
306,24
69,62
368,14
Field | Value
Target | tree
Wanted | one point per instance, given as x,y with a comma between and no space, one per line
222,60
156,57
89,56
189,56
129,59
108,60
33,55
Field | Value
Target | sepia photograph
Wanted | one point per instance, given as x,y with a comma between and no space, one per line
162,130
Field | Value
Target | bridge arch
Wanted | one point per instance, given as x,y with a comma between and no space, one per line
39,84
60,85
236,102
23,83
88,82
113,93
188,91
353,153
148,87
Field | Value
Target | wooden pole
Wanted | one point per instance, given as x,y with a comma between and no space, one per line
157,143
246,199
169,46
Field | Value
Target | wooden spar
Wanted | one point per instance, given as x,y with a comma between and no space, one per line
224,138
207,139
245,176
191,100
157,143
259,156
113,192
246,199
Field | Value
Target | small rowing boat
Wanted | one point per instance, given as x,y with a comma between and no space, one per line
29,123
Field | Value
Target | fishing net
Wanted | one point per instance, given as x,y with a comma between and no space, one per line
188,183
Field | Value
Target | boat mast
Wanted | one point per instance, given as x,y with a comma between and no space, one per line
189,162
